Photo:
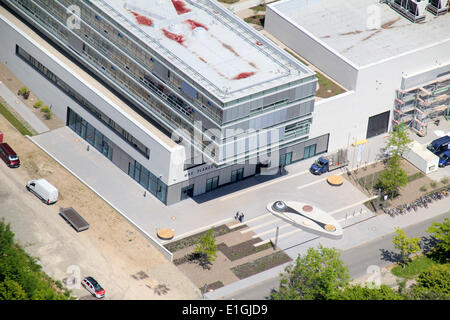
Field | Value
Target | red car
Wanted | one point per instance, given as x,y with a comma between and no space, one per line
9,156
93,287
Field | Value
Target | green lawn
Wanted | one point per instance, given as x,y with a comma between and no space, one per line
257,19
13,120
261,7
412,269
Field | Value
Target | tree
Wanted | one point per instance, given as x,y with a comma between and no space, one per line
316,275
20,275
433,283
407,246
398,141
207,247
6,236
357,292
440,232
11,290
394,176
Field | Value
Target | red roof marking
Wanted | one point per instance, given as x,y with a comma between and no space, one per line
142,19
180,6
195,24
173,36
243,75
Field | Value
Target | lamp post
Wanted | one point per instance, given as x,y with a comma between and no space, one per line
276,238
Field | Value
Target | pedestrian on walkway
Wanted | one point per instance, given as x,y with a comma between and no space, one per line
236,216
241,217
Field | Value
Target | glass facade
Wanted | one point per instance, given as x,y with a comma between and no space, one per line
297,129
126,136
135,170
148,78
148,180
237,175
310,151
90,134
212,183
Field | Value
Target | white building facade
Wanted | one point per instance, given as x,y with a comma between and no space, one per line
368,48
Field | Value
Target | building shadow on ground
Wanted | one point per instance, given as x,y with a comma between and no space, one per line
246,183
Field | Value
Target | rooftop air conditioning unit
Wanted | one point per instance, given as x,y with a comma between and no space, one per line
414,10
438,7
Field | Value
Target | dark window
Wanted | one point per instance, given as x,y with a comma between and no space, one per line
83,102
378,124
187,192
148,180
212,183
237,175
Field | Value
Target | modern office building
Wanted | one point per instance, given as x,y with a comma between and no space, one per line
393,56
182,95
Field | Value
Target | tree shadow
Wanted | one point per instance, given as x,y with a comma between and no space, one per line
201,259
390,256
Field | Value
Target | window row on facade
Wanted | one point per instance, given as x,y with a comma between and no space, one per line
91,28
125,135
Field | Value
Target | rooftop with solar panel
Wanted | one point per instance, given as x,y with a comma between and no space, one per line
208,43
369,31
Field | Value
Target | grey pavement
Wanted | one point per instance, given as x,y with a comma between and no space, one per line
14,102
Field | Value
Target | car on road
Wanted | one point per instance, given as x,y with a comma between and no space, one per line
93,287
444,159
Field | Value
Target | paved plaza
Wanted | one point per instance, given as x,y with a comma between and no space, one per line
210,209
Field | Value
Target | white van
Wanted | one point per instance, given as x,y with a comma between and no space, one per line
43,190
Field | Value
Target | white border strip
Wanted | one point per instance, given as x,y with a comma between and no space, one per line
161,248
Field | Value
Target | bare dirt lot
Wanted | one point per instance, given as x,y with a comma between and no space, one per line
122,259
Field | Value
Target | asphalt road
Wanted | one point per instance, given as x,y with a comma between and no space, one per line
379,252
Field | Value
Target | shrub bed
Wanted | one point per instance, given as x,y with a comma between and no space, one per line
194,239
265,263
242,249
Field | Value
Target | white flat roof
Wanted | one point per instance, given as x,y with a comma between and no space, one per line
349,28
207,42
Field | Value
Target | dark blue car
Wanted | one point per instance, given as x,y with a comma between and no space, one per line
439,145
444,159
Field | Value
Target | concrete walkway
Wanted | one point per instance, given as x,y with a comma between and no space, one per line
27,115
